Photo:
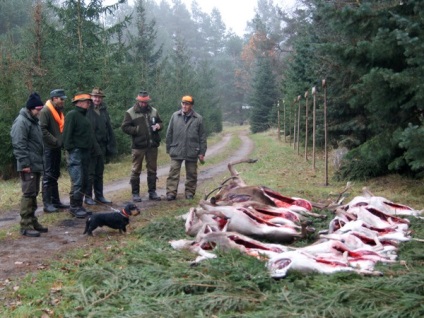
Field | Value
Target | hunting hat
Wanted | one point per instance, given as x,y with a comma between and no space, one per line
81,97
34,102
143,96
97,91
187,99
58,93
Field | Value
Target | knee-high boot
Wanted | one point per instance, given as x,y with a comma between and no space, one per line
47,199
27,228
56,198
98,192
151,184
135,188
37,226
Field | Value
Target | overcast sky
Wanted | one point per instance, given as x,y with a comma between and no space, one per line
235,13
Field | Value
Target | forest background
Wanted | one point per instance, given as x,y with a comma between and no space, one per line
370,54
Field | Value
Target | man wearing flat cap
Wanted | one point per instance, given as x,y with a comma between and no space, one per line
52,122
27,145
78,140
143,123
105,144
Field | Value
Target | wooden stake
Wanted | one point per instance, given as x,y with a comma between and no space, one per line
298,123
313,126
306,126
324,86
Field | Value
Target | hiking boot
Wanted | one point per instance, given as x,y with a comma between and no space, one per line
153,196
189,196
49,208
170,197
103,200
89,201
38,227
78,212
30,233
136,197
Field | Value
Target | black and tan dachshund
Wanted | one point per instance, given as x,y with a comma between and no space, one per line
114,220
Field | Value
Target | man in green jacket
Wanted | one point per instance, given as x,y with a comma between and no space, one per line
143,123
27,142
185,141
78,140
105,144
52,122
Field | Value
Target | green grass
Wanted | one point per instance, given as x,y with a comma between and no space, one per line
140,275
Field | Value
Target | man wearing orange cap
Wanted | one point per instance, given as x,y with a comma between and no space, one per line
185,141
143,123
78,139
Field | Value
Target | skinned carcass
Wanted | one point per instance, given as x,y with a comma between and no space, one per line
243,221
196,218
382,204
208,241
378,219
336,250
237,191
279,265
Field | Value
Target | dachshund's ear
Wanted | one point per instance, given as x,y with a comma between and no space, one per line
130,207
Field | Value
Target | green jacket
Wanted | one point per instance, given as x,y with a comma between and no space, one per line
138,124
186,141
103,131
78,132
52,137
27,142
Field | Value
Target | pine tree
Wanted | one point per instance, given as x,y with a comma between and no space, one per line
264,96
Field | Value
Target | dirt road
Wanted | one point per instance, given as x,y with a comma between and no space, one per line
20,255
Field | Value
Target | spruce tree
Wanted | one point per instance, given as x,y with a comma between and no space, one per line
265,95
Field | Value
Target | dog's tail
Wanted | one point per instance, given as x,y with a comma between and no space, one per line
87,224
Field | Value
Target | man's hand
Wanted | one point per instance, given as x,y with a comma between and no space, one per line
155,127
26,170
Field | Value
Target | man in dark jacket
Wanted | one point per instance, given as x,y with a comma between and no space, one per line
142,122
78,140
27,142
105,144
52,122
185,141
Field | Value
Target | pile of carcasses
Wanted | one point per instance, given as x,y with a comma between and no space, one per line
363,232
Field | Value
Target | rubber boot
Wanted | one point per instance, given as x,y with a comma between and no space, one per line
56,199
151,184
37,226
47,200
26,211
135,190
88,192
98,192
